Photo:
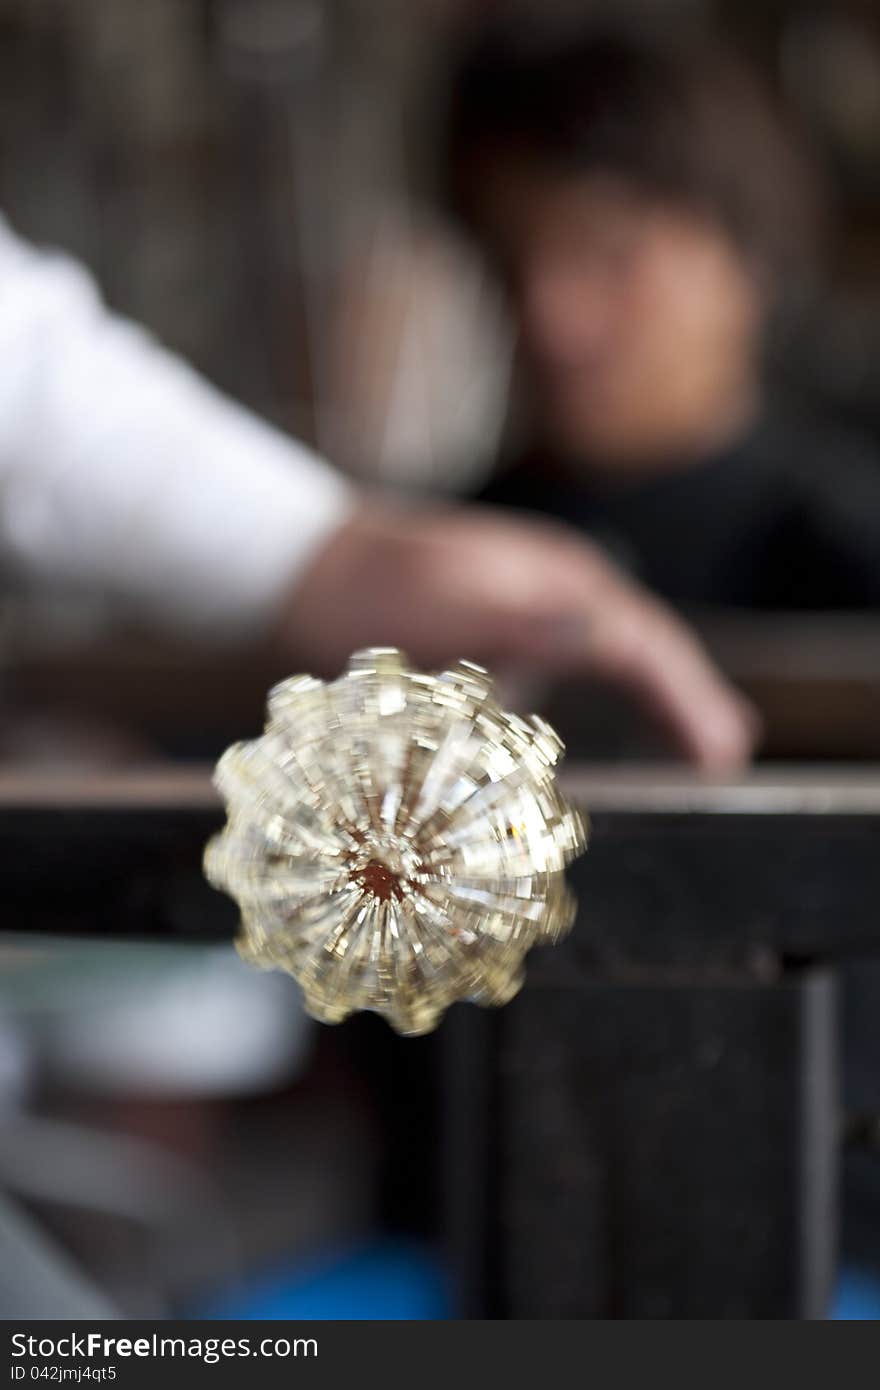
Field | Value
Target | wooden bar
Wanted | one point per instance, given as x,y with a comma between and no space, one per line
774,866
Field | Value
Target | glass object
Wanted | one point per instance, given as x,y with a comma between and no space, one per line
395,840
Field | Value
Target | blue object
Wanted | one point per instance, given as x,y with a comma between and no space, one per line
386,1279
858,1295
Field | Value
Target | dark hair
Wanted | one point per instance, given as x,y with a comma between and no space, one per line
688,122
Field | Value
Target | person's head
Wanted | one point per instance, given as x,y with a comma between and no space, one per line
645,206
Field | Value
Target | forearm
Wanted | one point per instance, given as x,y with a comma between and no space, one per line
123,472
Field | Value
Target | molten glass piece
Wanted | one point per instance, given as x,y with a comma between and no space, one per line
395,841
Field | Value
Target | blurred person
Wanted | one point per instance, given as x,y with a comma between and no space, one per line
653,222
652,219
123,473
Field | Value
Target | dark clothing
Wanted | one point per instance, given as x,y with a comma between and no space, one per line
788,518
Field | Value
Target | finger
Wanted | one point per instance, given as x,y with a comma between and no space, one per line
634,643
649,651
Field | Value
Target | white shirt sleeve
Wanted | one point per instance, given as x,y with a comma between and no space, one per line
123,472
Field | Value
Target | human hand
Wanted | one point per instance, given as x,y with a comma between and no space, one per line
446,582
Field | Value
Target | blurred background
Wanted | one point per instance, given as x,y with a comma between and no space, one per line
266,186
277,189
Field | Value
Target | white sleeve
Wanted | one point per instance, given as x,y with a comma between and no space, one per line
122,471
